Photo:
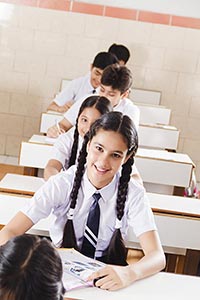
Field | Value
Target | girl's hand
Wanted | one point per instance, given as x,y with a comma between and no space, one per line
112,277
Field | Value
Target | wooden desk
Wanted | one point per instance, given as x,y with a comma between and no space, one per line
20,184
145,96
162,168
154,114
158,136
11,204
163,286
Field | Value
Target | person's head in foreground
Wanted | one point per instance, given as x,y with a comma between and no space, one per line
30,269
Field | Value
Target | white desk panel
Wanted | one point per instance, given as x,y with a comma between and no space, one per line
163,167
145,96
158,136
49,119
154,114
34,155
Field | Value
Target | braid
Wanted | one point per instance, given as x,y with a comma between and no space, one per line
73,153
119,257
69,237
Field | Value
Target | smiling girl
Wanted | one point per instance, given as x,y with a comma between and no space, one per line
104,167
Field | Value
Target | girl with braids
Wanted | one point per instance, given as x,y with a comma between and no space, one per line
104,167
30,269
64,152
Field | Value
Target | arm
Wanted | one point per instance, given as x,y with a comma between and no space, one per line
61,109
18,225
153,261
53,167
54,131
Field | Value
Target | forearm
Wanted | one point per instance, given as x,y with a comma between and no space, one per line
61,109
54,131
18,225
53,167
149,264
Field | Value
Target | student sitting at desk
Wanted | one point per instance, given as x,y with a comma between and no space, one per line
30,269
94,205
116,82
64,152
121,52
85,85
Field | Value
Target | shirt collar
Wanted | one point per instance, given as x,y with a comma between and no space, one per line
107,192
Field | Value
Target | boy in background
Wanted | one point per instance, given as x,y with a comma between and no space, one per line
85,85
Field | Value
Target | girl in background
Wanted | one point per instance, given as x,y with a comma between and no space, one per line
64,152
104,167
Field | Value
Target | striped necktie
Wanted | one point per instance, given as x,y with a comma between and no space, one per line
92,228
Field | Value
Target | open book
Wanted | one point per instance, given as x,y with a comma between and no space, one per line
77,268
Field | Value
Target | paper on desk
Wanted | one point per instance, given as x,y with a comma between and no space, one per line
77,268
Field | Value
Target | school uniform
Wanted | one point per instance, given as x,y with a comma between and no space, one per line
61,150
124,106
53,197
75,90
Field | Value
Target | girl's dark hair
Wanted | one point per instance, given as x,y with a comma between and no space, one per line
117,122
118,77
30,269
103,105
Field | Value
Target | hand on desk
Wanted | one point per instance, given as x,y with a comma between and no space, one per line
112,277
55,131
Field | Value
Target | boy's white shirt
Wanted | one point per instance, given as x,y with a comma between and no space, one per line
75,90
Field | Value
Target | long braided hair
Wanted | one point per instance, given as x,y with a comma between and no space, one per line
103,105
117,122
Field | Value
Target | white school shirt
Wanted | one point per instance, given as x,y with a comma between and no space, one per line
61,149
53,197
124,106
75,90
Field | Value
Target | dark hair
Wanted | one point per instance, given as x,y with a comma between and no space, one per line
30,269
104,59
118,77
103,105
121,52
117,122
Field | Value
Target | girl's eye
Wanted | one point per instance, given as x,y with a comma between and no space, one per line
116,155
84,120
99,148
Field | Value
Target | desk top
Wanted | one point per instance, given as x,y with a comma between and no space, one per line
163,286
176,205
164,155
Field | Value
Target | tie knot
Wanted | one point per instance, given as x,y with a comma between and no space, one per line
96,196
93,91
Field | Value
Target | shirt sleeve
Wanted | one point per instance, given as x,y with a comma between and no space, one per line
67,94
61,150
140,215
52,196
